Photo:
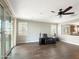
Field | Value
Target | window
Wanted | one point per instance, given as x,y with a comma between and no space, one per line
53,29
22,28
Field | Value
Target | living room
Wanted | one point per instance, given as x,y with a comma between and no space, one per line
39,29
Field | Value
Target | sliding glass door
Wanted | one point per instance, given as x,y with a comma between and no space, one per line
0,32
2,49
5,32
0,38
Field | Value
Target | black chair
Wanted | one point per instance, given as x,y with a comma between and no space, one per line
51,41
42,40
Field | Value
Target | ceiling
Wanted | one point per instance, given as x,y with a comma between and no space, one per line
39,10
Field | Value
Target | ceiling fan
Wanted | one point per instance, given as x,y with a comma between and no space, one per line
64,12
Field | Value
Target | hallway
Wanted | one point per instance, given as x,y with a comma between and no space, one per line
35,51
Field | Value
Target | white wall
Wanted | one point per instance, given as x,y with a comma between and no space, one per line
59,30
13,41
35,28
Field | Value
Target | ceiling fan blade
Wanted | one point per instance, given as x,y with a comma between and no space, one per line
68,13
70,7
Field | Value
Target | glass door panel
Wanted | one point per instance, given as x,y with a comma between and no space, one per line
5,32
0,37
8,32
1,32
